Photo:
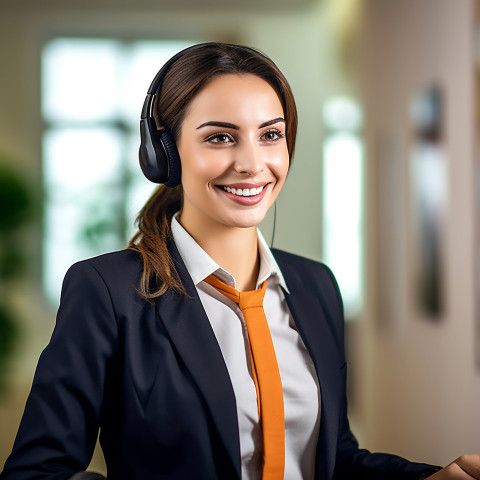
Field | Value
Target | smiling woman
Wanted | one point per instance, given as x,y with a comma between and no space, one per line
199,352
233,169
209,95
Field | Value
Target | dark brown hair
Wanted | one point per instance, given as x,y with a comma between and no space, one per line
183,81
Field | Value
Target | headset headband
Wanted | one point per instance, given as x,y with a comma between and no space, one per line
158,154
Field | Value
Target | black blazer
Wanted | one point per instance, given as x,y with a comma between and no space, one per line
152,377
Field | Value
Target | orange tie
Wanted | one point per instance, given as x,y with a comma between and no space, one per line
265,374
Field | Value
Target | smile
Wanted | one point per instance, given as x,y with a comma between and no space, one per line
244,192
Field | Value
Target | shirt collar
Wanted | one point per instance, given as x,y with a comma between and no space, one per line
200,265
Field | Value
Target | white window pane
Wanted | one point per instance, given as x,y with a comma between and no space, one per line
77,228
342,215
138,194
60,223
144,61
75,159
80,80
140,189
92,95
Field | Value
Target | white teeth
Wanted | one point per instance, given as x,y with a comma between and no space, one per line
246,192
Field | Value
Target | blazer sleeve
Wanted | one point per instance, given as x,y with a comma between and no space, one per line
352,461
60,424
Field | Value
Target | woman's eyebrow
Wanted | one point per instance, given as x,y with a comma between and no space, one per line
213,123
271,122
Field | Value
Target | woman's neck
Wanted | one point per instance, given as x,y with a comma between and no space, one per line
234,249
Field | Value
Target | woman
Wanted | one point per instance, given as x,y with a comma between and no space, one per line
150,345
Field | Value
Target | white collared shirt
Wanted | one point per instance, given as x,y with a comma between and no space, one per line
299,380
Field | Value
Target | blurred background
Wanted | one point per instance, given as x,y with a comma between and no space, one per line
385,186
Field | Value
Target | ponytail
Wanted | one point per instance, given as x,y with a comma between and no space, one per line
159,272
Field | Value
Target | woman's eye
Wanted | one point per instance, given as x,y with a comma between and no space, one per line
220,138
273,135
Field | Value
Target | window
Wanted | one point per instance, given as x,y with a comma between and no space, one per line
92,95
343,199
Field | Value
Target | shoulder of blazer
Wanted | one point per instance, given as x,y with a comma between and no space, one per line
315,276
309,272
120,272
123,263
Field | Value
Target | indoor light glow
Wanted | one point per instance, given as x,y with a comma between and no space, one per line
343,200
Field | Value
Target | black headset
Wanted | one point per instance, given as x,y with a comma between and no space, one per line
158,154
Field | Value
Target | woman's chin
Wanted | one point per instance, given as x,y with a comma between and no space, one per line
247,220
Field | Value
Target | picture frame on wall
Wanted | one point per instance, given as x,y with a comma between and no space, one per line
428,202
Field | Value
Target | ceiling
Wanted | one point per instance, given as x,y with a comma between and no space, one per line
245,6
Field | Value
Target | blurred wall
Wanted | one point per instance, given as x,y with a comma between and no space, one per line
420,387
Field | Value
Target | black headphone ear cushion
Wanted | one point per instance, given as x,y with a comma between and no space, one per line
173,158
152,154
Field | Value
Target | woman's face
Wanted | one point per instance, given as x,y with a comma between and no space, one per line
233,152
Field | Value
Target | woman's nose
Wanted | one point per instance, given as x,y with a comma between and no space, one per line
249,159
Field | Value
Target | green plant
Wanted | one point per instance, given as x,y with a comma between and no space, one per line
16,209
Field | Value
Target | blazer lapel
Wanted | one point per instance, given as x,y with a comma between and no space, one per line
193,337
311,320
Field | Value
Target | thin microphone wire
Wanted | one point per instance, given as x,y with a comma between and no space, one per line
274,222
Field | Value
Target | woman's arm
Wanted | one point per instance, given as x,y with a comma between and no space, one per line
360,464
59,427
351,461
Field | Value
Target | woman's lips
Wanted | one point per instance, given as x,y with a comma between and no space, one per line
244,193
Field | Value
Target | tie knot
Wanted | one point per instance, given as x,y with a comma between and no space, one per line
250,299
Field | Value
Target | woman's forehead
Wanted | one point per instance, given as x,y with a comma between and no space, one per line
246,97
